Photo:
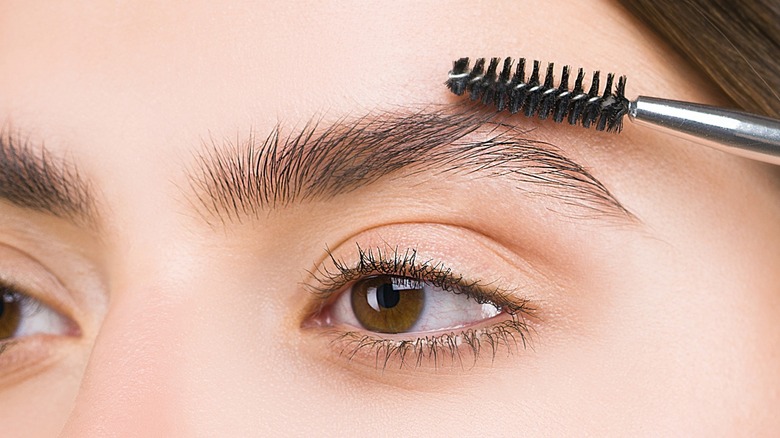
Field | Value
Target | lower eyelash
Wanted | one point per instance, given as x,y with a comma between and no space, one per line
5,345
457,349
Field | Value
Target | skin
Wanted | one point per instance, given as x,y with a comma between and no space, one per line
190,326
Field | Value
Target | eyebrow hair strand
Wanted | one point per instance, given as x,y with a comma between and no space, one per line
318,162
31,178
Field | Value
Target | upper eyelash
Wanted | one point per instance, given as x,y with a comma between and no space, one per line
406,263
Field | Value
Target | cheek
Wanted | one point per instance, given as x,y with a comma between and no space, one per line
41,404
681,340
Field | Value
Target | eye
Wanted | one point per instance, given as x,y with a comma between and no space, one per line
22,315
394,304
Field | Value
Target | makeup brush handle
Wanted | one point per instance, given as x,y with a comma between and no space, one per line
735,132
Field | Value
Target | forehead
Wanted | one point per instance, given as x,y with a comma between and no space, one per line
129,62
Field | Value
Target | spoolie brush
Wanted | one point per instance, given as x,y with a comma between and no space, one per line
736,132
531,96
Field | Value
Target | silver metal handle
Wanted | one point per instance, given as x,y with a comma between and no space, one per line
736,132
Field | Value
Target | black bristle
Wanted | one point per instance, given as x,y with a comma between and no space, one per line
605,103
519,77
608,85
501,95
591,110
517,87
547,95
506,72
532,94
458,76
489,82
619,108
562,96
603,110
460,66
549,77
620,91
475,84
594,84
578,99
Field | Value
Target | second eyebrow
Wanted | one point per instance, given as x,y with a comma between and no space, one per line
319,162
32,178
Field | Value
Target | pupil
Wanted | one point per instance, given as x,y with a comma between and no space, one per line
387,296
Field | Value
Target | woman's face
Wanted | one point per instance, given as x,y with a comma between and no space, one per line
235,201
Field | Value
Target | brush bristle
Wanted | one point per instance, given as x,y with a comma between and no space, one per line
513,92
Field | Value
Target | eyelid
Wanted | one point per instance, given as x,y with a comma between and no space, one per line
25,274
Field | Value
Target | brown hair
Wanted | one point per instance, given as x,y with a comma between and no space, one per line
735,43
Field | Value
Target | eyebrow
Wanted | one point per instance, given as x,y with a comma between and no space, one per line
235,180
31,178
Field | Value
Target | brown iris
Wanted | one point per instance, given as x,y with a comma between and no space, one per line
387,304
10,313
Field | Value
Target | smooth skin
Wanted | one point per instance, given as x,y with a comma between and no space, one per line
663,324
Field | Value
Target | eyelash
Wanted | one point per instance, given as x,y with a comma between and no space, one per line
510,333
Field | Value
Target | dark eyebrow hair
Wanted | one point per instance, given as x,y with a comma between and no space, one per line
233,180
31,178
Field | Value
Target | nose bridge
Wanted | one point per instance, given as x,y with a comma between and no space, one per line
194,339
130,386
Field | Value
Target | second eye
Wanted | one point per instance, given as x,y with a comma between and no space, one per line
22,315
394,304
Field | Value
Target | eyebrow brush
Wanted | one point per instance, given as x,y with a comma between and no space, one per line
740,133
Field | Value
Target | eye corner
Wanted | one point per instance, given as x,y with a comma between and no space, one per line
316,318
